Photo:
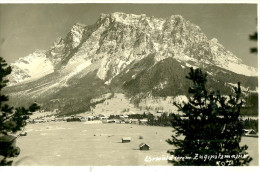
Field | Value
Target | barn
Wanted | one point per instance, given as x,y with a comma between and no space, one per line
134,121
144,146
23,134
250,133
143,121
126,139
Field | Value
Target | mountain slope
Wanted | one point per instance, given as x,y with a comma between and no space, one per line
136,55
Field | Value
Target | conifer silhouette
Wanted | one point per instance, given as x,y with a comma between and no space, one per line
12,119
208,126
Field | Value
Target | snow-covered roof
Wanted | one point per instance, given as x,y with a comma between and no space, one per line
142,144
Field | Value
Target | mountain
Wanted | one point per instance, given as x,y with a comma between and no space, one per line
139,56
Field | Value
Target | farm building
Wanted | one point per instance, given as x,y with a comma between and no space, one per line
111,121
103,118
23,134
144,146
90,118
127,121
100,116
143,121
250,133
123,116
126,139
134,121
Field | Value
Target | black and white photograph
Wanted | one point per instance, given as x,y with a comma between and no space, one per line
129,84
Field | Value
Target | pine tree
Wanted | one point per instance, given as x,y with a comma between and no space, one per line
208,128
12,119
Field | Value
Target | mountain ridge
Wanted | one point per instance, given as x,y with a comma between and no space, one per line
132,54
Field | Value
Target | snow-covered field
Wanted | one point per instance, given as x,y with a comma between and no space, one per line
81,144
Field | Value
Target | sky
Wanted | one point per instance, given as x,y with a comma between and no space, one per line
27,27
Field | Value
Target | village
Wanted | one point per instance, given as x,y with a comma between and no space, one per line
118,119
138,119
94,138
132,134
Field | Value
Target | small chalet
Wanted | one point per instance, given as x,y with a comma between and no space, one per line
123,116
100,116
134,121
250,133
103,118
144,146
90,118
143,121
23,134
111,121
126,139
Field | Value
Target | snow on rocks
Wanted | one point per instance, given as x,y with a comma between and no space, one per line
31,67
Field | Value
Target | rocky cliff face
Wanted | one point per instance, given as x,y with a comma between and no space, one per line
135,54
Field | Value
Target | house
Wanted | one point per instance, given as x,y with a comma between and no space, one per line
81,118
39,121
58,119
123,116
127,121
100,116
111,121
144,146
23,134
103,118
143,121
250,133
134,121
74,119
90,118
65,118
126,139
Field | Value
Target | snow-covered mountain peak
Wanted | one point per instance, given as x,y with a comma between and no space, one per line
76,33
38,52
214,41
119,39
176,17
31,67
127,19
58,42
133,20
120,16
135,54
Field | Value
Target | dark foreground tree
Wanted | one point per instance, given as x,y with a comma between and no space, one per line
208,128
12,119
